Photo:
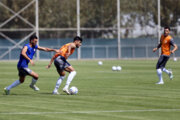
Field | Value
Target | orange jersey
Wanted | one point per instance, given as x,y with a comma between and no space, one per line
64,51
166,43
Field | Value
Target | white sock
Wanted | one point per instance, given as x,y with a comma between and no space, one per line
69,79
33,81
165,70
58,83
159,73
14,84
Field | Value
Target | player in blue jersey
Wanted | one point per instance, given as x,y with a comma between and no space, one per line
26,56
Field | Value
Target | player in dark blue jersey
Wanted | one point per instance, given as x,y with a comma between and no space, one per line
26,56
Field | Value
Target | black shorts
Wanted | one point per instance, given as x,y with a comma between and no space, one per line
61,63
162,61
24,71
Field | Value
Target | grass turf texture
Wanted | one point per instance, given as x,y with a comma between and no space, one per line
130,94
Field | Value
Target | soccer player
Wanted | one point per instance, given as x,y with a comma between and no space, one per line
166,42
62,65
26,56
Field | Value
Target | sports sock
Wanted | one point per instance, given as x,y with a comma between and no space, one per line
159,73
58,83
165,70
69,79
33,81
14,84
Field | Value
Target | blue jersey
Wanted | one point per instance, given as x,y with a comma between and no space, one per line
23,62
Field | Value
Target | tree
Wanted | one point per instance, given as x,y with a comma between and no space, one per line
93,14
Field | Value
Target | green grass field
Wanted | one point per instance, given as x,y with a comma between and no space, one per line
130,94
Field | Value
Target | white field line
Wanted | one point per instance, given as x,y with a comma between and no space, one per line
91,112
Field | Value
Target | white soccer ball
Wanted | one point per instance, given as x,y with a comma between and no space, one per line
119,68
73,90
100,63
114,68
175,59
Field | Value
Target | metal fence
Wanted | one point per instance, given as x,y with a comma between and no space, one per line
113,30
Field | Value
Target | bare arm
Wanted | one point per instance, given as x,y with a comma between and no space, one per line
159,45
50,63
52,59
47,49
23,53
175,48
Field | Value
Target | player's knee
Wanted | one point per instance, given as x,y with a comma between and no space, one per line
62,74
71,69
73,72
36,77
21,80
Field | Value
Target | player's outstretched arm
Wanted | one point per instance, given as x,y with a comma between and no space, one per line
23,53
47,49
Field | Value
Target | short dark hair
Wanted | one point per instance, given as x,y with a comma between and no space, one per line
32,37
78,38
167,27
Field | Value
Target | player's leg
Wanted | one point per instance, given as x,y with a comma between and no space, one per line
169,72
59,64
71,75
14,84
164,64
59,81
159,70
22,76
35,77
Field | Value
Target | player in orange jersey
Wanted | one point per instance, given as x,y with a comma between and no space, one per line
166,42
62,65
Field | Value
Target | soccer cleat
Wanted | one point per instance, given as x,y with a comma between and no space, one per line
66,91
170,75
7,92
34,87
55,93
160,83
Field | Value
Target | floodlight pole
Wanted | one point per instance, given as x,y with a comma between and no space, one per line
37,25
78,26
159,23
118,27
